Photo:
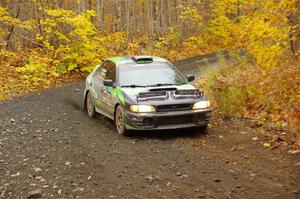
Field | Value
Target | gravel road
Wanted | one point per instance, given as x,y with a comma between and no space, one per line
50,148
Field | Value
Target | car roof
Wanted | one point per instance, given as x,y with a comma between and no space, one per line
135,59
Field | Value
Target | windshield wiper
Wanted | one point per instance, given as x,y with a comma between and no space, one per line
161,84
132,86
181,83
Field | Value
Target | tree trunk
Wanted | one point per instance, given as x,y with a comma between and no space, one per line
99,11
9,41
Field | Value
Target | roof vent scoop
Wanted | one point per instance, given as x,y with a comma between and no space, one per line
142,59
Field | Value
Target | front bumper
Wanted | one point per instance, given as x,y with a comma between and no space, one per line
167,120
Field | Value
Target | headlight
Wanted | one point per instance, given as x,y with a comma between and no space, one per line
142,108
201,105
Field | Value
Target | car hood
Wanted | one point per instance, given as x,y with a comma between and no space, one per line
133,93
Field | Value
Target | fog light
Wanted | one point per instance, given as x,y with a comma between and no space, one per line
147,121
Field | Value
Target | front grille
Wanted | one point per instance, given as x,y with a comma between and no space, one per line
175,120
151,95
173,107
163,93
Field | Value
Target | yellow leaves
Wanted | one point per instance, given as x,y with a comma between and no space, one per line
59,13
190,13
90,13
78,43
61,36
35,65
250,92
267,145
71,66
27,25
222,33
48,45
134,47
298,52
266,41
6,19
33,72
87,68
47,30
161,44
172,39
261,28
194,42
3,11
39,37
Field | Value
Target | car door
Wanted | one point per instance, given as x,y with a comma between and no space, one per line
107,101
97,85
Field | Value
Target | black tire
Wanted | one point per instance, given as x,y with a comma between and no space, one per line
90,108
120,121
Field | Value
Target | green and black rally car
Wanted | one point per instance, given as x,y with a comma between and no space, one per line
145,93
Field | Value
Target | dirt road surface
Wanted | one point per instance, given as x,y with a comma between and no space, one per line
50,148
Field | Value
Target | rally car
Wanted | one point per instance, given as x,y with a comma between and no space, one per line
145,93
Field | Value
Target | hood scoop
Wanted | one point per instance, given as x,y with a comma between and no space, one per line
163,89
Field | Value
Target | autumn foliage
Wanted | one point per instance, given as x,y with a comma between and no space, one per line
261,80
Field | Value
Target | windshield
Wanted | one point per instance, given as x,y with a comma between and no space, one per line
155,74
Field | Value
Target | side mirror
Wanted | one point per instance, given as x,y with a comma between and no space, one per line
190,78
108,82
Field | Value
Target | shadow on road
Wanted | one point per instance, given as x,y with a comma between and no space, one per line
166,134
151,134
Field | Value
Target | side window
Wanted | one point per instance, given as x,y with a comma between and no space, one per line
110,70
100,73
106,71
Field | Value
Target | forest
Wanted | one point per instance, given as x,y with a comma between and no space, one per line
47,43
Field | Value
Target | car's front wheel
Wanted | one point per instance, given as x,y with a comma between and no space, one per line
90,106
120,121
